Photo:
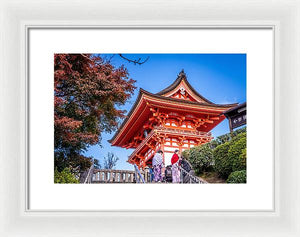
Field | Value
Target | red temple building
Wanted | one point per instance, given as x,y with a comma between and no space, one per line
175,118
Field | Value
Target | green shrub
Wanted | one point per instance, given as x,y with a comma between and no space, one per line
239,131
64,177
224,155
221,163
239,136
201,158
240,162
228,137
186,154
237,177
231,156
237,154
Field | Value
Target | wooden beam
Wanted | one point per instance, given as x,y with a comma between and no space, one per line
152,119
150,146
215,118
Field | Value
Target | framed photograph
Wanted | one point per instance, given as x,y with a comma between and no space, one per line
183,122
170,132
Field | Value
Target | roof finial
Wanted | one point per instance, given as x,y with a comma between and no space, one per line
182,74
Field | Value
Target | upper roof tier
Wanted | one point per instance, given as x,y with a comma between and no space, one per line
182,89
179,97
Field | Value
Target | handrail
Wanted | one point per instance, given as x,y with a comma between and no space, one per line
192,177
180,131
138,173
88,175
109,170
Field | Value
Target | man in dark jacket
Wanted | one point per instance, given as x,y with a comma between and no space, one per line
185,164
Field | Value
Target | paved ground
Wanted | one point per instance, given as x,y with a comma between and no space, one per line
212,177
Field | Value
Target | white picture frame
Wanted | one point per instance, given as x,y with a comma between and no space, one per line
281,15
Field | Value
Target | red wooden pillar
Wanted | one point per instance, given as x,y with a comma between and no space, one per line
180,149
180,144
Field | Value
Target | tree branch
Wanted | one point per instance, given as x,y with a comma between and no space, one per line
138,61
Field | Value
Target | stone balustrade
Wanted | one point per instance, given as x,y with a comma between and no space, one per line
117,176
129,176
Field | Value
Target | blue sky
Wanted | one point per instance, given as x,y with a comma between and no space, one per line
221,78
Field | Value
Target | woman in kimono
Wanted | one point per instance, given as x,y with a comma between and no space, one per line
175,167
158,165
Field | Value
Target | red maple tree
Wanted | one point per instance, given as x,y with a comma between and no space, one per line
87,92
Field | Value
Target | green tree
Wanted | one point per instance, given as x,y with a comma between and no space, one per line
227,137
239,136
201,158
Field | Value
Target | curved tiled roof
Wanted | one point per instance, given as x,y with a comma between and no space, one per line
182,77
185,101
158,96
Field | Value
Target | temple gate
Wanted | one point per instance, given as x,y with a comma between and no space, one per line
177,117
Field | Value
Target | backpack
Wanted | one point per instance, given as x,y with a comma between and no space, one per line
168,173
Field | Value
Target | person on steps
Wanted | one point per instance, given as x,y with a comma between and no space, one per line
158,165
185,164
175,167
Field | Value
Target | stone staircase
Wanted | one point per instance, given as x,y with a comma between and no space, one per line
129,176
